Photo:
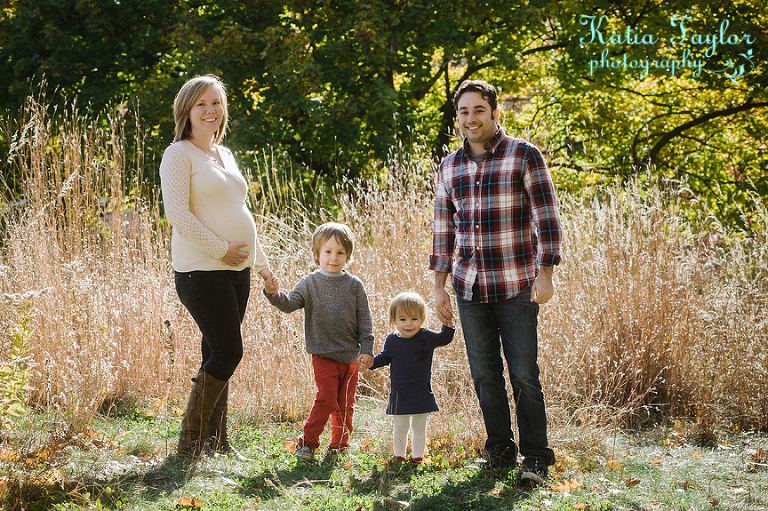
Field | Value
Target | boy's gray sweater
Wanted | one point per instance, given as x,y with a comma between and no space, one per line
337,317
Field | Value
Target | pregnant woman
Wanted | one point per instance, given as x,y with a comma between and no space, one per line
213,248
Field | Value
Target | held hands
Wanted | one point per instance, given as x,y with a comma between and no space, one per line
364,361
443,307
235,256
446,315
271,284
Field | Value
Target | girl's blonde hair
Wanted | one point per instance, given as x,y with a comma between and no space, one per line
341,232
186,98
408,304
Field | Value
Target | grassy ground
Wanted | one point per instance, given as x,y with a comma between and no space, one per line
127,462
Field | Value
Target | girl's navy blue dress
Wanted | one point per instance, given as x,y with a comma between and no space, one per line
410,370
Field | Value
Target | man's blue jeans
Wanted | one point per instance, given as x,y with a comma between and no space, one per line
507,327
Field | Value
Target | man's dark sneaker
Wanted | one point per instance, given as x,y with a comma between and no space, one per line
534,473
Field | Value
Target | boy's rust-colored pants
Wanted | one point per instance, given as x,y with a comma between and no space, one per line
335,398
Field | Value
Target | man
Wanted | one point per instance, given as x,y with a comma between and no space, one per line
497,231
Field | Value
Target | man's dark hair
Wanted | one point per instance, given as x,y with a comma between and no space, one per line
486,90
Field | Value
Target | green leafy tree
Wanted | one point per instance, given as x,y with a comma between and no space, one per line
94,52
704,123
335,85
93,49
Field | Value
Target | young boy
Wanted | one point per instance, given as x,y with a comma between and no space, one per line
338,332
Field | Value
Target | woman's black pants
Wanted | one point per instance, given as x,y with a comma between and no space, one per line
217,301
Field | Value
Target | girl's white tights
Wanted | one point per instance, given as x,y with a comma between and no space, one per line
418,426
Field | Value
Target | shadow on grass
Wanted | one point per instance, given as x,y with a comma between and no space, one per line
329,482
481,491
293,481
296,483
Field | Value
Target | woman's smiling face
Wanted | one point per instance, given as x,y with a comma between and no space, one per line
207,113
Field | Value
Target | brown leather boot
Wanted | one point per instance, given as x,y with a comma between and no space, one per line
215,432
202,400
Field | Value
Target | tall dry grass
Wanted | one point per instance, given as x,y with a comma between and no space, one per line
652,319
90,260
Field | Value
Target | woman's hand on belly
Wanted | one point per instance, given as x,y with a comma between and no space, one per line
235,256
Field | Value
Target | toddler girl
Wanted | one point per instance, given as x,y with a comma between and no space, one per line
409,352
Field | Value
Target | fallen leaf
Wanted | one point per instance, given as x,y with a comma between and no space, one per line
104,444
686,485
145,457
714,502
88,433
585,507
347,466
496,493
8,454
367,445
291,446
567,485
46,453
613,464
193,502
632,482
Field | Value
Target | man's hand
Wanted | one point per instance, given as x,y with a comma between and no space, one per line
443,300
543,289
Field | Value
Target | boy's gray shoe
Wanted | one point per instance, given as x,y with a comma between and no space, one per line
304,452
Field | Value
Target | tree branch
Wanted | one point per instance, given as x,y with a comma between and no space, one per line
419,94
543,48
669,135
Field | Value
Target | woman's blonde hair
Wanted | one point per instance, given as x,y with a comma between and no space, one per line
186,98
408,304
341,232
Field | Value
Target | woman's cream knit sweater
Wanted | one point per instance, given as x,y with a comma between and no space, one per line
206,205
